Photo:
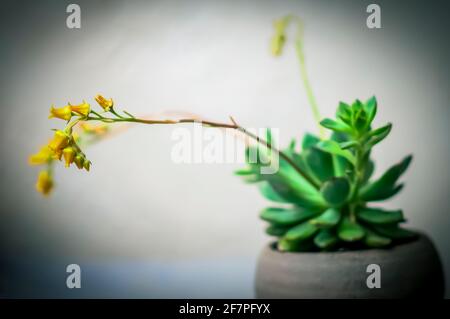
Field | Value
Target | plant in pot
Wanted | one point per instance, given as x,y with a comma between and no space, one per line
332,240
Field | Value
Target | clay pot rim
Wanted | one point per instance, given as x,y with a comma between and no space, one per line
420,238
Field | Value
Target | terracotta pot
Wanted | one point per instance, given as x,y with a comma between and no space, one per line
410,270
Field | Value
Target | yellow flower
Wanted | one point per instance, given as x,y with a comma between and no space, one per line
64,113
82,109
59,141
69,155
104,103
44,155
44,183
79,161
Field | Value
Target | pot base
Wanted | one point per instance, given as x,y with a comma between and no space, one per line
410,270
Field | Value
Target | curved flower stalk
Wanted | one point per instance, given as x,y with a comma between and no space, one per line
66,144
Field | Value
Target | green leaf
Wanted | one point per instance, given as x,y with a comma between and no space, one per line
277,231
269,136
370,107
301,232
376,241
325,239
301,161
292,145
320,163
295,246
244,172
286,245
286,217
348,144
340,164
380,216
268,192
350,231
251,179
329,218
368,171
286,182
309,140
344,112
337,126
335,191
288,178
257,155
333,147
385,186
393,231
378,135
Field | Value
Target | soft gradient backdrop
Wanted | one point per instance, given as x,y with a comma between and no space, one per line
140,225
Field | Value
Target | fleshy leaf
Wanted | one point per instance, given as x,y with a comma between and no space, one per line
374,240
393,231
348,144
301,232
337,126
329,218
309,140
370,107
368,171
286,217
336,190
385,186
333,147
325,239
320,163
380,216
378,135
268,192
344,112
350,231
277,231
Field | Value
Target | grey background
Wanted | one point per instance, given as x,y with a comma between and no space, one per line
142,226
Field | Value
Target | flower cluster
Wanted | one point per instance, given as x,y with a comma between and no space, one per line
66,112
65,143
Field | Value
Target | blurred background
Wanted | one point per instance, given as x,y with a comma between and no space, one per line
140,225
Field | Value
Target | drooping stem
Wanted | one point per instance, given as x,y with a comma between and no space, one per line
234,126
303,73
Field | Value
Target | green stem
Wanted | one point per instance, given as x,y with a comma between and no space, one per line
307,85
303,73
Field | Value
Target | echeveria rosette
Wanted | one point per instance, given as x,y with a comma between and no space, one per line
331,211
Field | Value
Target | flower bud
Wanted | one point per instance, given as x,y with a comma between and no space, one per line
104,103
79,161
64,113
279,38
69,155
87,165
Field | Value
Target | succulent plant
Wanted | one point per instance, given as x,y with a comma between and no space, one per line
328,208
